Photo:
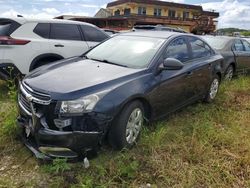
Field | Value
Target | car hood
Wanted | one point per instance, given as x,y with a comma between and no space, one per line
76,74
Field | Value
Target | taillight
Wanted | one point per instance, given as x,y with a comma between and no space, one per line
10,41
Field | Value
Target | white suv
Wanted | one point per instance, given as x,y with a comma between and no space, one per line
26,44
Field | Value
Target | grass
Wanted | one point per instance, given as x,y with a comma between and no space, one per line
204,145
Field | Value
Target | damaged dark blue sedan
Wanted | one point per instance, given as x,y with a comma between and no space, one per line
72,106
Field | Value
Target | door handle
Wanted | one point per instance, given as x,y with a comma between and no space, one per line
59,45
209,66
190,73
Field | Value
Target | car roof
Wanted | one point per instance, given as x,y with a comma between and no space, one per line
154,34
159,27
22,20
219,37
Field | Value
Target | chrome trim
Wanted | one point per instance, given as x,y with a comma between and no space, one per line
24,109
32,91
30,98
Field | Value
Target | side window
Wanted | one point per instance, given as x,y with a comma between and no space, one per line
92,34
178,49
42,29
238,46
199,48
65,32
246,45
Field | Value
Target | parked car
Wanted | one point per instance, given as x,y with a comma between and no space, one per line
26,44
236,52
110,32
247,39
70,107
157,28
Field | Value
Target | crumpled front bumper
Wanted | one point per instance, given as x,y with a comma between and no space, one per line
47,144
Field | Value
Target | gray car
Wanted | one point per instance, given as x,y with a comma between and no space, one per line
236,53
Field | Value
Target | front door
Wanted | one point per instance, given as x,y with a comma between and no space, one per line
246,61
172,90
240,55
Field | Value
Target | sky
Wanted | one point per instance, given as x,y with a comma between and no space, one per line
233,13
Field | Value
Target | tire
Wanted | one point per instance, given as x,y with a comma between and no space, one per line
123,134
213,89
229,73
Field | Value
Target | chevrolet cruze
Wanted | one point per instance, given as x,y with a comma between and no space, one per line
72,106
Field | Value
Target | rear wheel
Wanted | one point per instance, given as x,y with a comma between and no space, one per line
213,89
126,128
229,73
45,61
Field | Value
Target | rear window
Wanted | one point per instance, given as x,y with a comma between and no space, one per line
199,48
7,27
216,42
93,34
65,32
42,29
144,28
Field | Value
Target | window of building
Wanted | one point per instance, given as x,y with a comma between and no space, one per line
185,15
127,11
142,10
157,12
117,12
171,13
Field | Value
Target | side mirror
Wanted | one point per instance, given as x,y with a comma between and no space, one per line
172,64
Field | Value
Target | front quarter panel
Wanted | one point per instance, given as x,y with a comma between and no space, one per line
217,64
136,88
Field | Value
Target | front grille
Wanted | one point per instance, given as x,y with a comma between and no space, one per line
25,103
35,94
28,96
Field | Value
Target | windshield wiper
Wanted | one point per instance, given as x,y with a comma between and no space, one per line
108,62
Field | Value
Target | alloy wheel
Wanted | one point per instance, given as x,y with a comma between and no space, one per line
214,88
229,74
134,125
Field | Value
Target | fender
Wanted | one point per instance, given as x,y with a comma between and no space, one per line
43,56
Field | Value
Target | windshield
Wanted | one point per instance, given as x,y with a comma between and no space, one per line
128,51
216,42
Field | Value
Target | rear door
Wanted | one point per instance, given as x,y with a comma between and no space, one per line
199,67
240,54
93,35
246,61
66,40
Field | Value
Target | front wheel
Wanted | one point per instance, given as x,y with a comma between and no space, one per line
213,89
126,128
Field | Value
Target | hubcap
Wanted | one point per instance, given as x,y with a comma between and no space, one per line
229,74
134,125
214,88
